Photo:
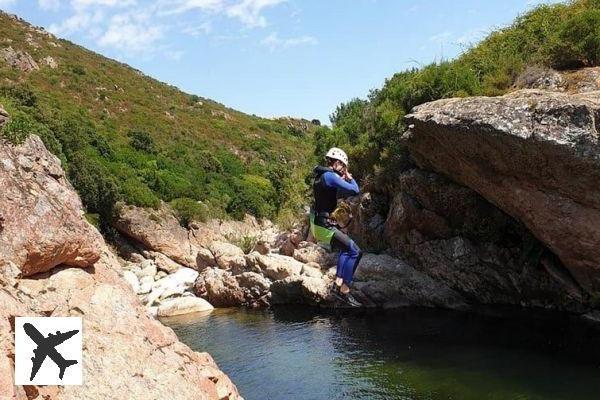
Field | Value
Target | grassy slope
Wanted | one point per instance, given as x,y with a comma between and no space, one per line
199,149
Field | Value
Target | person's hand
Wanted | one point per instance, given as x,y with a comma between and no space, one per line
347,176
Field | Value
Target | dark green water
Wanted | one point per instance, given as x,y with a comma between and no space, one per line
294,353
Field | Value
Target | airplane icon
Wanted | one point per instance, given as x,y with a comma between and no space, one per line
46,347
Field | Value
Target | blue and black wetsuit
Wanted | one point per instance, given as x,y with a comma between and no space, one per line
328,186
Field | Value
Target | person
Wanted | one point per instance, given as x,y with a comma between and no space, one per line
331,183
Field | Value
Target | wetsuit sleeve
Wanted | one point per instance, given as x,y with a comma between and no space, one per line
335,181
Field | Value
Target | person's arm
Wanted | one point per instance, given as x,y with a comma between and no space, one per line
334,180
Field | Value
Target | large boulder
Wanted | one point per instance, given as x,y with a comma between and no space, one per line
389,281
126,353
164,263
183,305
172,285
313,253
274,266
301,290
41,216
221,254
253,281
159,231
534,154
455,236
231,231
219,287
18,59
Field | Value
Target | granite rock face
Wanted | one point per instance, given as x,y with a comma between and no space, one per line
534,154
53,263
159,231
41,216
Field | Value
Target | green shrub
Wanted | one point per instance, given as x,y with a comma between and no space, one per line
21,94
73,131
78,69
98,189
93,219
188,210
253,195
247,242
231,163
137,193
170,185
18,128
102,145
577,41
142,141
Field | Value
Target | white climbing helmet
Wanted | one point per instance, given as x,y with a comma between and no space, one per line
337,154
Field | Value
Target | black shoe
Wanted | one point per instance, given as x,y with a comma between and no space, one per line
347,298
350,300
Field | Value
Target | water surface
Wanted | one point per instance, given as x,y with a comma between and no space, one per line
296,353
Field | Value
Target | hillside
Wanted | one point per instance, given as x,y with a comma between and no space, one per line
561,36
125,136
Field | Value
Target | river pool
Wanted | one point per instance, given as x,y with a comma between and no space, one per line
299,353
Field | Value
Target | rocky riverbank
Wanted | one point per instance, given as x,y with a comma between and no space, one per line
274,267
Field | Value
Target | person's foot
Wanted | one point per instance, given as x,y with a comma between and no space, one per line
345,298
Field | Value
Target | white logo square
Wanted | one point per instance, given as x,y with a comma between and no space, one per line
48,351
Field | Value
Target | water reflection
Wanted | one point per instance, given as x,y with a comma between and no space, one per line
294,353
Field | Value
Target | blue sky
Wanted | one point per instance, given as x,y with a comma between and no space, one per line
273,57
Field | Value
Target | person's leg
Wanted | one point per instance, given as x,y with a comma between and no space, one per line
350,255
339,272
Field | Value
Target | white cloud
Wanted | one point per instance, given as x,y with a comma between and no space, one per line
52,5
181,6
77,22
203,29
81,4
6,3
249,11
131,32
273,41
140,26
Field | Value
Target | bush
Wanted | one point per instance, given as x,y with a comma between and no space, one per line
231,163
170,185
142,141
73,131
577,41
98,189
137,193
78,70
246,243
18,128
254,195
21,95
188,210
